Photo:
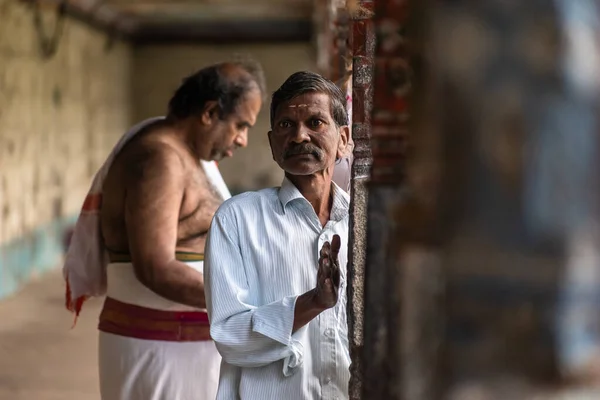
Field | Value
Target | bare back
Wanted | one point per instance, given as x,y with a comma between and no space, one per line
138,187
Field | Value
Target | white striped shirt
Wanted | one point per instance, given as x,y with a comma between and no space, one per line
262,252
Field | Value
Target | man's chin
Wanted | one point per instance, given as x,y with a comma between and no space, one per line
302,169
218,156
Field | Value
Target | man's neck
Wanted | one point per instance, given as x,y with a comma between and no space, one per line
317,190
182,131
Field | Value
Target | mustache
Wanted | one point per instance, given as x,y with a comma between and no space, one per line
304,148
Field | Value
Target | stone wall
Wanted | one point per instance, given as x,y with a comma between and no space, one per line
59,117
159,70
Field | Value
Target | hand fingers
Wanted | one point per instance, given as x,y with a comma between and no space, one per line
324,268
335,246
335,274
334,265
325,250
325,260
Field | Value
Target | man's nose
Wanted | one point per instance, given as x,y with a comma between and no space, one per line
241,140
300,134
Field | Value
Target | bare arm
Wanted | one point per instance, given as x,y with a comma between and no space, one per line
155,188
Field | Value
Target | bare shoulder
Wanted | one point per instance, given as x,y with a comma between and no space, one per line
152,156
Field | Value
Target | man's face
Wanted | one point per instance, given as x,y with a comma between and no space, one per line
226,135
305,138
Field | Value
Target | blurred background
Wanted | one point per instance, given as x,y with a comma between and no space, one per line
74,76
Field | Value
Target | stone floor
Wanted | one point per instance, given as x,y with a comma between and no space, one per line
41,358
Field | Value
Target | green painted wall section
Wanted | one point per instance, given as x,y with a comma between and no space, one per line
32,254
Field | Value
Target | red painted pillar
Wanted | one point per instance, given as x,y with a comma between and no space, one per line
392,85
397,363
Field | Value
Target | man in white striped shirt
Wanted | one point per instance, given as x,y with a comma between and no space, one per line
275,268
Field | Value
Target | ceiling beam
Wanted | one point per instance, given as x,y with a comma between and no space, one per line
219,32
209,3
142,31
202,12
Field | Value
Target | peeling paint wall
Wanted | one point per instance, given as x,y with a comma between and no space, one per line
58,120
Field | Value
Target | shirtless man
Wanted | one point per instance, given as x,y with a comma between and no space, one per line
158,199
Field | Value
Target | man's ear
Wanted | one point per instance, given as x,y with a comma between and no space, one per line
343,142
269,135
210,110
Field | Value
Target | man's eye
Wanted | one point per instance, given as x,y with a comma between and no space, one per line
285,124
315,123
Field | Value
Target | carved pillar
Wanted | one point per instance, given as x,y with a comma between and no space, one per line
363,46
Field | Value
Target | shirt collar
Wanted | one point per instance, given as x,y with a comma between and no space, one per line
341,200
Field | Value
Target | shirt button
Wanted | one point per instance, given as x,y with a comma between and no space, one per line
329,332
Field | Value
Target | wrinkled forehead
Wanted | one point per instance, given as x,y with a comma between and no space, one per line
305,104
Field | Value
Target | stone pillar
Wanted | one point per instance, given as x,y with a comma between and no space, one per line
475,237
363,45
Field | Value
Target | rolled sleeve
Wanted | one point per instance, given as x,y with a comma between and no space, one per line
276,320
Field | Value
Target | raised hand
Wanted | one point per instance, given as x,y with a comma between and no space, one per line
328,275
325,294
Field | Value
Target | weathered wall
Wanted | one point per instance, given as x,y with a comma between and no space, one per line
159,70
58,120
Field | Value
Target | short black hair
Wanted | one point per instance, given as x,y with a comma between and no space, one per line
217,83
306,81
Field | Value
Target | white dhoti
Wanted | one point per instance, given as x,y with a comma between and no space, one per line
142,369
135,369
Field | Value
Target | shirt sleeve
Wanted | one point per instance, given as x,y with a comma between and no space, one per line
246,334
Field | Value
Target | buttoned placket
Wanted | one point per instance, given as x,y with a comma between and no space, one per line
327,328
328,320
